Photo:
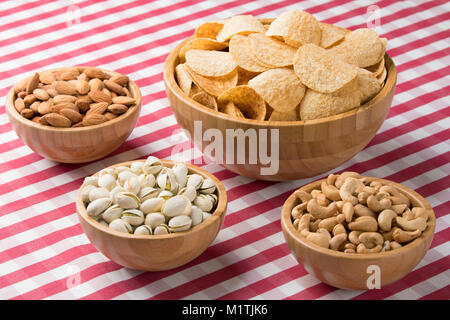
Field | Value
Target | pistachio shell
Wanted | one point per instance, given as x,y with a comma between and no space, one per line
107,181
166,180
189,192
110,171
154,219
196,216
152,165
203,202
112,213
143,230
115,191
176,206
213,198
136,167
195,180
208,186
206,215
161,229
147,180
133,216
124,176
96,207
103,223
91,181
127,200
132,185
152,205
180,223
148,193
85,192
98,193
120,225
165,194
181,172
120,169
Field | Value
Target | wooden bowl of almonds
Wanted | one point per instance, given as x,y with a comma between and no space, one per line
151,214
356,232
74,114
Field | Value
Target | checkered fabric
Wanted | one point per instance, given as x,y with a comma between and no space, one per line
44,253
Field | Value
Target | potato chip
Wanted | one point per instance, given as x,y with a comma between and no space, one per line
361,47
280,88
206,100
183,79
210,63
270,51
284,116
231,110
331,34
208,30
316,105
213,85
202,44
368,85
382,76
194,90
318,69
246,100
296,27
243,24
245,76
377,68
240,51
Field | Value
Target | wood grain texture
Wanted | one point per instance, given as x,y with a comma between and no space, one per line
349,271
75,145
306,148
156,252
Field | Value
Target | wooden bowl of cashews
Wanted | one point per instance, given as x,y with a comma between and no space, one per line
356,232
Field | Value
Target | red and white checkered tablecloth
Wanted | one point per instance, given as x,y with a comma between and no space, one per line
43,251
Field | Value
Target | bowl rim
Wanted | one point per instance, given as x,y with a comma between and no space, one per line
288,227
220,210
134,90
169,79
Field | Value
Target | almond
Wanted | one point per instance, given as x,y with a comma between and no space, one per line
19,104
72,115
70,75
127,92
96,73
120,79
62,98
29,99
99,96
33,83
96,84
47,77
57,120
79,124
22,85
52,92
98,108
115,87
106,91
27,113
93,119
45,107
124,100
41,94
117,108
64,87
64,105
83,104
22,94
110,116
82,86
83,77
36,119
44,121
35,106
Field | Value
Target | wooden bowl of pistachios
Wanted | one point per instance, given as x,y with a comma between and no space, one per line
151,215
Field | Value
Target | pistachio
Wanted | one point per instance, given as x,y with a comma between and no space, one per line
203,202
123,176
91,181
98,193
107,171
103,223
176,206
143,230
148,193
208,186
195,180
189,192
152,165
161,229
127,200
112,213
121,226
180,223
137,167
213,198
196,215
206,215
120,169
154,219
165,195
115,191
133,216
166,180
107,181
151,205
181,173
96,207
132,185
147,180
85,192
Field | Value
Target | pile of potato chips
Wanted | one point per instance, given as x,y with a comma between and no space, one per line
294,68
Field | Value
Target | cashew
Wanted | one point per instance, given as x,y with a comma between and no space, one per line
339,205
303,224
340,218
319,239
353,236
395,245
399,200
371,239
408,215
328,223
350,245
320,212
348,210
411,225
313,226
361,248
378,205
399,208
396,193
369,190
349,251
297,211
325,232
363,211
343,176
362,197
295,223
322,199
350,186
337,241
364,224
339,228
330,191
385,219
315,193
331,179
364,180
382,195
376,184
402,236
419,212
386,246
388,235
303,196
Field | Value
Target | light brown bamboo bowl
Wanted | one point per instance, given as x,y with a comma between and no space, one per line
155,252
306,148
349,271
75,145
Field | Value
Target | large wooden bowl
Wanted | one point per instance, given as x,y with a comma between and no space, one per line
156,252
350,271
75,145
306,148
